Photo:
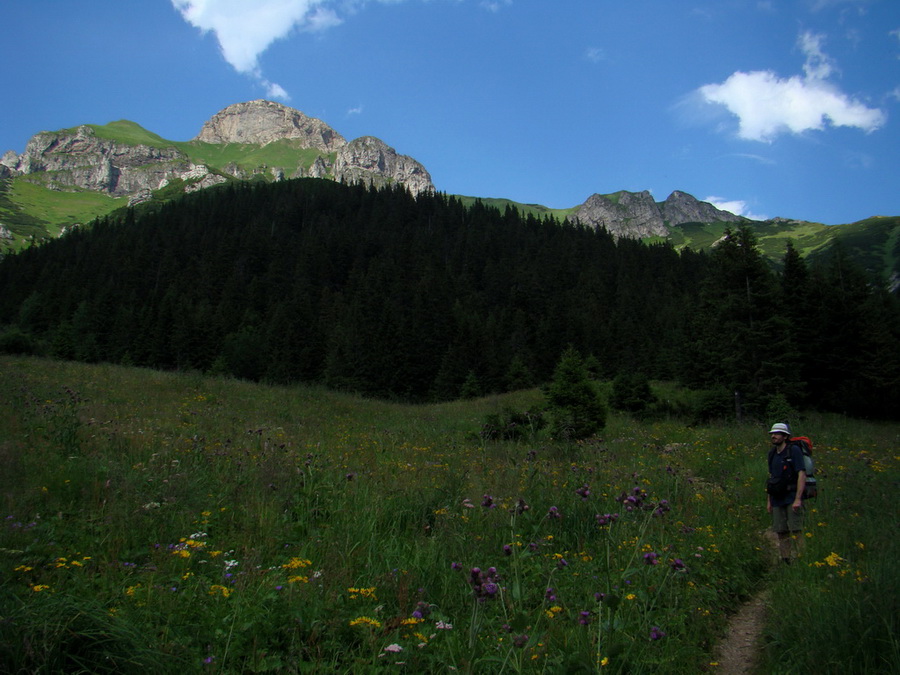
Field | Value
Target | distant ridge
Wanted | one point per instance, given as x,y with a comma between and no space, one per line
67,178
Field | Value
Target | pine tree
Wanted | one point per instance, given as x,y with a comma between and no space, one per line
575,406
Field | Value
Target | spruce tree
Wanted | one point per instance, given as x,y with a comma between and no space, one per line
575,407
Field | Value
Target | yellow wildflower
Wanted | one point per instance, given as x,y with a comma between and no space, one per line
362,593
833,560
218,588
297,563
366,621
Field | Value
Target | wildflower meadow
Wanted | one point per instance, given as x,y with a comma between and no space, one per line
179,523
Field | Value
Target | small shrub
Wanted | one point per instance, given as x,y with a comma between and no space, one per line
15,341
780,410
714,404
510,425
632,394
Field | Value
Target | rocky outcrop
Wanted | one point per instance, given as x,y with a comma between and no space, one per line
79,159
262,122
374,162
623,214
64,160
681,207
636,215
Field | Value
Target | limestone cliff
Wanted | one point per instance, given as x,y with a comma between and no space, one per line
681,207
374,162
636,215
64,160
262,122
80,159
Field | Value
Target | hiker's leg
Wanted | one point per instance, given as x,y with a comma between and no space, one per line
784,545
795,529
782,530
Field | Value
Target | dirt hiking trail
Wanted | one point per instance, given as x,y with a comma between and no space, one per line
738,651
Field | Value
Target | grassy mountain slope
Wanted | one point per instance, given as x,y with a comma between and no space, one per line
32,212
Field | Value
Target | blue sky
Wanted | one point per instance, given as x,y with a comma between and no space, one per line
771,108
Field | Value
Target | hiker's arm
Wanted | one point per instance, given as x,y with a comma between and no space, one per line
801,485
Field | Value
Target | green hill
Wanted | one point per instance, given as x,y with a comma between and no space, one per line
31,212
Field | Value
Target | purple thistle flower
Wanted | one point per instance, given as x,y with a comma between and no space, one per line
678,565
584,618
554,513
520,641
455,566
487,501
507,549
651,558
656,633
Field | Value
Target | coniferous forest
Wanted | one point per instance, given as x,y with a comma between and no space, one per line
423,299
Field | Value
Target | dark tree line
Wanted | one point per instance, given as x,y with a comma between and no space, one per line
422,298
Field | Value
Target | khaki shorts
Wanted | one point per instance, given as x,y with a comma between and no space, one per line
785,519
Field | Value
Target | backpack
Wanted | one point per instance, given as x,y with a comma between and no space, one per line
809,466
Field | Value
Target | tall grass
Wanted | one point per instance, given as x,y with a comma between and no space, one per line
161,521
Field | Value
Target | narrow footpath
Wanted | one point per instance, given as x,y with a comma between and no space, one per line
738,652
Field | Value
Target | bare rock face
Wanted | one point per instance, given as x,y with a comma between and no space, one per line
64,159
262,122
681,207
372,161
636,215
624,214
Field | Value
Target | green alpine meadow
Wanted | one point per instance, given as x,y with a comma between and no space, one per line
269,402
163,521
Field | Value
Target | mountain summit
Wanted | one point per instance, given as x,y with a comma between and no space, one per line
255,139
262,122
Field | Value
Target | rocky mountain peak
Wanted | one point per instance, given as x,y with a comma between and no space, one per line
624,214
370,160
637,215
680,207
262,122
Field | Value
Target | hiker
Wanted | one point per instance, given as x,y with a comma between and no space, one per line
785,488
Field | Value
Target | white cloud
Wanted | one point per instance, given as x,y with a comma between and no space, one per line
818,66
736,206
767,105
244,30
594,54
495,5
274,90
